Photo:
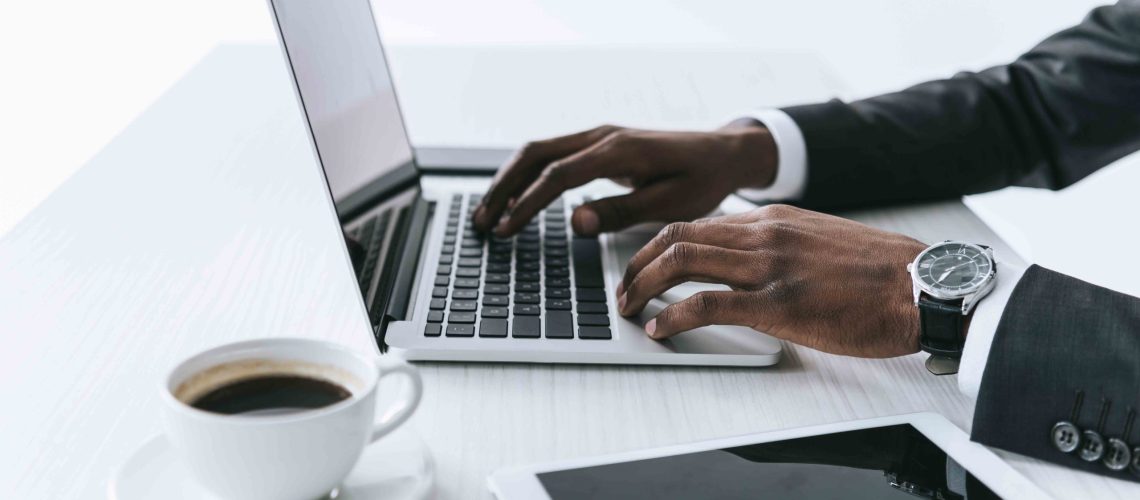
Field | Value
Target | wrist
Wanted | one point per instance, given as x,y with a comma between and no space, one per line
754,152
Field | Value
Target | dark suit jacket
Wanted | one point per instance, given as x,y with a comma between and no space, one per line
1058,113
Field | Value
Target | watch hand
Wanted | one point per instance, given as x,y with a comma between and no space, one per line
950,270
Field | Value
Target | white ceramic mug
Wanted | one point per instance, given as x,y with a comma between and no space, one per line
301,455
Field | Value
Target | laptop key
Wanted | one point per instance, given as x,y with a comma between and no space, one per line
497,289
498,267
498,278
592,308
494,312
588,263
557,305
439,292
460,330
528,256
470,243
496,300
557,272
555,252
443,270
526,310
593,320
594,333
468,272
526,327
559,325
466,294
466,283
463,305
460,317
493,327
531,277
558,293
438,304
446,259
527,286
558,282
442,280
557,261
500,257
591,295
435,317
469,262
526,298
528,266
432,330
471,252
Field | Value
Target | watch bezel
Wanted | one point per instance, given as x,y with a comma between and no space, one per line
987,281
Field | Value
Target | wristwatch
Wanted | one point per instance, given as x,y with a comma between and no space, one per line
949,279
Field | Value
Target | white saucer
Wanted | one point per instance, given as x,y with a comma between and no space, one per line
397,466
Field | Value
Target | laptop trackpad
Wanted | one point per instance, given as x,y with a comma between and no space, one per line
714,339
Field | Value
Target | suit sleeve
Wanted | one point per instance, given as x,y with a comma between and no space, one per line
1068,107
1059,336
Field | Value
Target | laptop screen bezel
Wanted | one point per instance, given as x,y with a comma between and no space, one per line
382,187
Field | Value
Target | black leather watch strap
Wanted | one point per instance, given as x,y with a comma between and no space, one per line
942,326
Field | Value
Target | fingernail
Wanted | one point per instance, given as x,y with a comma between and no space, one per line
621,289
651,327
621,300
587,220
501,229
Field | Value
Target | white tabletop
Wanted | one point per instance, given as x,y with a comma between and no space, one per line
204,223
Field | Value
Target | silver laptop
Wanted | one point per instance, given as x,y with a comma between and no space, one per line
433,288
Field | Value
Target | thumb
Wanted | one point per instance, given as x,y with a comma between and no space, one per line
649,203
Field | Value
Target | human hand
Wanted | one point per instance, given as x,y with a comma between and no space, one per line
674,175
818,280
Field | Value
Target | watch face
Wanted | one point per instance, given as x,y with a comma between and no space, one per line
952,269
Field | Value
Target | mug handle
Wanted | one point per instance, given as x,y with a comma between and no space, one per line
399,413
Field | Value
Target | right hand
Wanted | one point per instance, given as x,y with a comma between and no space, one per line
675,176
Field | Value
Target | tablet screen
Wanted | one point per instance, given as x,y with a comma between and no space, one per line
877,463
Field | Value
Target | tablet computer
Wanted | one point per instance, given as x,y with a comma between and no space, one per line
903,456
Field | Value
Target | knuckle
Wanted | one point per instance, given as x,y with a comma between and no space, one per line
675,232
704,304
530,149
679,255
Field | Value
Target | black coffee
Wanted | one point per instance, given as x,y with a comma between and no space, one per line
271,394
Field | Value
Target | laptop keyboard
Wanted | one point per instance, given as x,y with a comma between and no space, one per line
542,283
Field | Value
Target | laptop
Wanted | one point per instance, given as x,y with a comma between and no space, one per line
432,287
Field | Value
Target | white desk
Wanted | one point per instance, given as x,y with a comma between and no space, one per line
202,223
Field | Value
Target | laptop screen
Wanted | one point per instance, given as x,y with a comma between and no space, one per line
346,92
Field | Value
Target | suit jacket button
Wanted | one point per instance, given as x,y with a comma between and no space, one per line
1066,437
1117,455
1092,446
1134,467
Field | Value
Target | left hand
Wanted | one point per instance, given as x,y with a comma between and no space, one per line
818,280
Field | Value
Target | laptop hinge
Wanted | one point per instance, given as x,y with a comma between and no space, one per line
400,292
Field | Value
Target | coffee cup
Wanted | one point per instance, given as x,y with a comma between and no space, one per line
279,418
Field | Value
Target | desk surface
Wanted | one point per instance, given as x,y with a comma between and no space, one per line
204,223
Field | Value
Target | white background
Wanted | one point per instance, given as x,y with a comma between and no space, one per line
74,73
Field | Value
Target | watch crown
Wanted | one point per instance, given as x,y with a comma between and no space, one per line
910,267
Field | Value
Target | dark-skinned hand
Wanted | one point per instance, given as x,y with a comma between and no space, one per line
817,280
674,175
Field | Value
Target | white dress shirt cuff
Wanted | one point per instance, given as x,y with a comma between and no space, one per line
983,326
791,165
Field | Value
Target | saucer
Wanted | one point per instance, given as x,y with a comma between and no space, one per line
398,466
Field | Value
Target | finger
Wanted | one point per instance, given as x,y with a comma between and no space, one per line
730,236
684,262
601,159
704,309
653,202
525,166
